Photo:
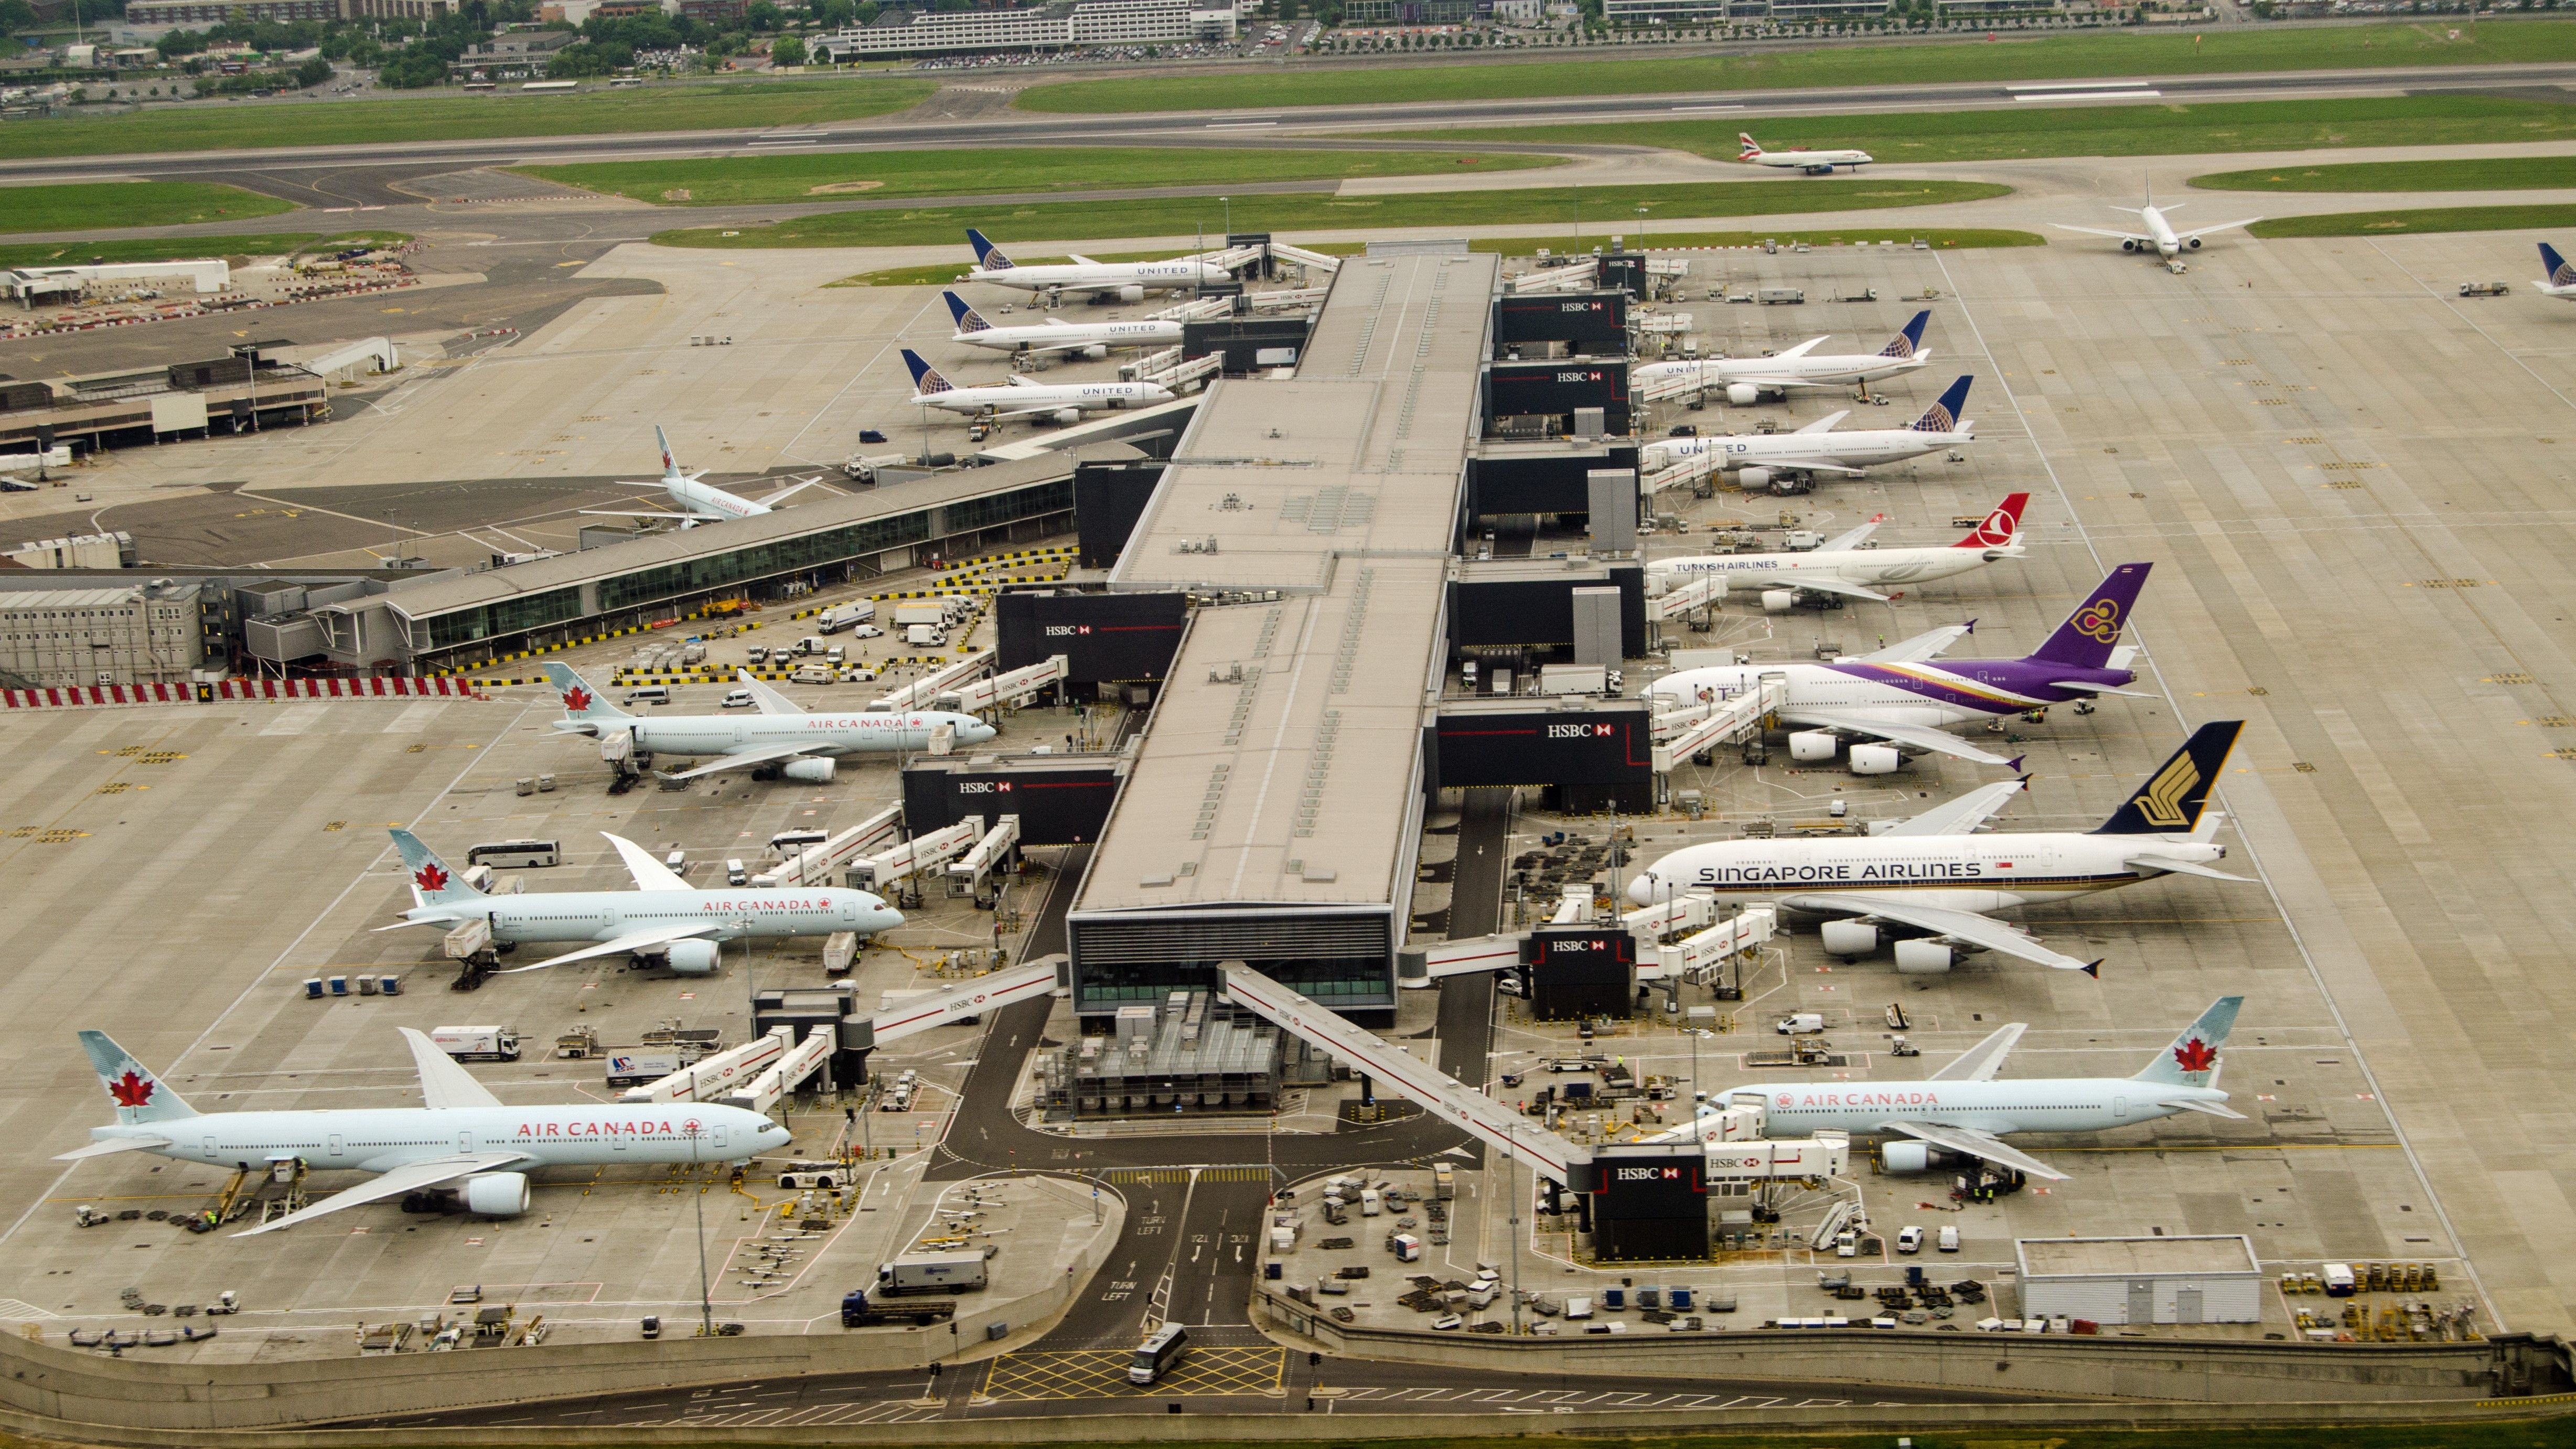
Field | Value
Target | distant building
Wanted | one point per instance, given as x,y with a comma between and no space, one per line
197,14
1052,27
513,55
713,12
134,634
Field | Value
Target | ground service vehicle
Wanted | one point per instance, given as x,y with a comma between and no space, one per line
1161,1349
931,1273
477,1043
923,636
858,1312
515,854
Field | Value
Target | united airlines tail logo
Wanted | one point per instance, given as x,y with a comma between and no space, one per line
2162,799
131,1090
994,261
1903,346
932,382
2564,276
1936,419
973,321
2195,1055
2099,620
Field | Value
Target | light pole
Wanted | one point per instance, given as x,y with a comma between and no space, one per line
1512,1170
706,1294
1229,214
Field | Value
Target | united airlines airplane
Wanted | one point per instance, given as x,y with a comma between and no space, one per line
1126,281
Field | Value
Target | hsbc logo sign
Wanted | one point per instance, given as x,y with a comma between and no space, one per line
1578,731
1650,1174
1066,631
983,787
1559,947
1578,377
1579,307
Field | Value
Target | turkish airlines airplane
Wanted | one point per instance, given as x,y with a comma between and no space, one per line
694,502
781,734
2159,236
1783,462
1126,281
1932,879
1087,339
1747,380
1814,163
1963,1109
461,1135
1844,569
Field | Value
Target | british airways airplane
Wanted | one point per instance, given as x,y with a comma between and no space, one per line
782,735
461,1135
1900,696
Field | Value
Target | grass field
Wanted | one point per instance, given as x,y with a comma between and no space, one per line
180,249
2098,131
2419,221
2221,51
717,105
2498,173
1077,221
106,204
747,180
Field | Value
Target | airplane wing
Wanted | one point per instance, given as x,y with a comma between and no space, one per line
112,1146
2087,688
1851,539
745,760
1930,645
2162,866
798,486
1827,423
410,1177
650,874
1801,350
444,1083
1836,586
1921,737
1976,1144
638,941
1960,816
692,516
1032,412
2222,226
1979,1063
2126,236
771,701
1080,260
1994,935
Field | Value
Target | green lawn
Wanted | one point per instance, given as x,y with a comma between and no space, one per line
749,180
180,249
2168,130
108,204
716,105
2497,173
1077,221
2222,50
2419,221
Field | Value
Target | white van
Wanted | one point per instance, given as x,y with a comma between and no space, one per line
649,694
735,875
739,699
1910,1240
1949,1241
814,674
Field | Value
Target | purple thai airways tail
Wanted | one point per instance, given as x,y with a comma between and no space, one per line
2085,640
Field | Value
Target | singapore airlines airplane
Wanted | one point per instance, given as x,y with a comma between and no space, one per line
1897,694
664,918
1126,281
1782,462
1814,163
1843,569
2159,236
2561,281
1062,402
1087,339
461,1134
694,502
799,745
1933,878
1964,1110
1747,380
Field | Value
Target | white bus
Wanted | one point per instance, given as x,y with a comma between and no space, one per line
515,854
1161,1349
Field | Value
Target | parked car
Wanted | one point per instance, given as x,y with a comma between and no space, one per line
739,699
1909,1240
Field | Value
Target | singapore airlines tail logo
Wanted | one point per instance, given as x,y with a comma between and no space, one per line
2099,620
2161,802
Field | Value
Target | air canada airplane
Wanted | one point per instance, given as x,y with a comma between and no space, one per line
460,1135
1814,163
1089,339
1964,1109
1931,880
780,736
664,918
1841,568
2159,235
694,502
1126,281
1745,381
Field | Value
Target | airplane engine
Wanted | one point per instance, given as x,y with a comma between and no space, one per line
1096,351
694,958
1131,294
1810,747
496,1194
1849,938
1754,480
811,772
1875,760
1779,601
1905,1155
2128,246
1743,394
2194,244
1066,417
1922,956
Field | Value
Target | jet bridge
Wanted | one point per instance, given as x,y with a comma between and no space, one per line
1712,941
813,865
1725,721
895,868
932,685
1692,471
975,868
964,1001
1700,593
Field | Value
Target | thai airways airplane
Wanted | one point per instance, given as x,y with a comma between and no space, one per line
1747,380
461,1135
663,918
1088,339
2561,281
2159,236
1783,462
1843,569
1964,1110
1126,281
1062,402
780,735
1898,695
1933,878
695,502
1814,163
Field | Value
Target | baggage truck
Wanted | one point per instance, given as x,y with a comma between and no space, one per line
834,620
858,1312
920,611
923,636
930,1273
477,1043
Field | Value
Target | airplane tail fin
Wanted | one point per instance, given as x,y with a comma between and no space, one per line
2192,1060
925,378
987,256
138,1094
1752,148
2172,799
2560,273
670,463
581,702
431,880
2086,639
1943,416
2000,527
1909,341
968,319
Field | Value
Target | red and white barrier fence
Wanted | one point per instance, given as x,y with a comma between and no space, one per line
77,697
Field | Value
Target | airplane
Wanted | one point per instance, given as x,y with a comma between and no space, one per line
1061,402
1746,380
2561,281
1842,568
1783,462
461,1135
780,737
1125,281
1899,696
1935,878
1814,163
663,917
2159,236
1964,1111
1090,339
698,502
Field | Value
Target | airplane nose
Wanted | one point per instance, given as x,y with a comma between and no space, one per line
1641,891
883,918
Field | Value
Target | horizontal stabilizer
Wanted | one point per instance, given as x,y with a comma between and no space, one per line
2206,1109
2163,866
111,1147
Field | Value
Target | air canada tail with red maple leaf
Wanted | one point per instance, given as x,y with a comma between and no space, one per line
2192,1060
138,1094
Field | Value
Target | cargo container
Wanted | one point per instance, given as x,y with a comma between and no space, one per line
857,1312
931,1273
477,1043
